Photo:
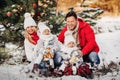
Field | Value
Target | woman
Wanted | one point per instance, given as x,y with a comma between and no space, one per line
31,37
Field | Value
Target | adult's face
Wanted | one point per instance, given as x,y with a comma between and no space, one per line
30,29
71,22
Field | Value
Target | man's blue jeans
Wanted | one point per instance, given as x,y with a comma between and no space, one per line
92,58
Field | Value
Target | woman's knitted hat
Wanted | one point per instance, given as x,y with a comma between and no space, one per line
28,21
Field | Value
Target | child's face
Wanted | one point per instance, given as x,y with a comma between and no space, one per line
31,29
71,44
46,32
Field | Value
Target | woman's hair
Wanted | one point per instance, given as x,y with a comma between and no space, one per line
71,13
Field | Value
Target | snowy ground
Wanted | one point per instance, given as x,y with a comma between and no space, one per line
109,46
109,43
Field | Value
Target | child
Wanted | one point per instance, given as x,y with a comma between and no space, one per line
46,47
71,55
31,36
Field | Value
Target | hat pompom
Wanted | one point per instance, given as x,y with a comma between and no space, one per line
27,15
67,33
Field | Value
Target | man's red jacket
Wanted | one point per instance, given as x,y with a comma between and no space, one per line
86,37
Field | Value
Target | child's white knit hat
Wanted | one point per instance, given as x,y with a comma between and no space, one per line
68,39
28,21
42,26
